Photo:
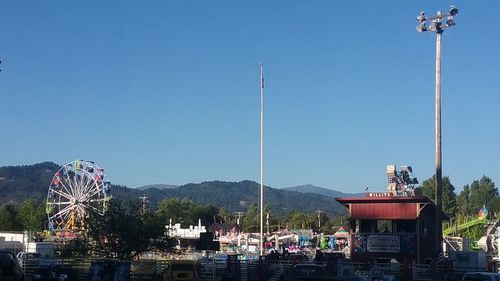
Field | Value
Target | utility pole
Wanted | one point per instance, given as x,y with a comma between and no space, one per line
239,214
267,222
437,25
319,219
144,203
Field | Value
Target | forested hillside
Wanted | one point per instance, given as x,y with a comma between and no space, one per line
18,183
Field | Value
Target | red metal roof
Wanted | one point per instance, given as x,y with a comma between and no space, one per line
387,211
385,207
378,206
384,199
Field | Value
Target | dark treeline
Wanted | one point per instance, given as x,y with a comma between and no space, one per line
23,190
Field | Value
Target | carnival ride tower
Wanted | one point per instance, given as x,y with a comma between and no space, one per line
401,183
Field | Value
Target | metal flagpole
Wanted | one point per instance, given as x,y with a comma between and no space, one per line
261,158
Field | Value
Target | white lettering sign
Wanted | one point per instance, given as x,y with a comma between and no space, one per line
383,243
380,194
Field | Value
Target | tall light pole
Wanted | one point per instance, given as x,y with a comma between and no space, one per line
436,25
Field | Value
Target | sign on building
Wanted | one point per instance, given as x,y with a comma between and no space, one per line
383,243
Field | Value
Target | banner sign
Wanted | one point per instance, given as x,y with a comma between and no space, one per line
359,243
383,243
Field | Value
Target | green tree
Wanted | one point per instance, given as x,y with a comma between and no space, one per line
482,192
325,222
175,209
337,221
298,219
32,215
185,212
8,218
251,220
226,216
495,207
206,213
449,195
463,202
124,233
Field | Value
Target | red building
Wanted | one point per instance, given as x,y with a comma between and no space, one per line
384,227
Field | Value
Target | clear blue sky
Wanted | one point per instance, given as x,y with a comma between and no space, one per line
168,91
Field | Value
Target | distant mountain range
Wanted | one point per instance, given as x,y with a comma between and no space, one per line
157,186
17,183
309,188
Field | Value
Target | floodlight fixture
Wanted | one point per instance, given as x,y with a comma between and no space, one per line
450,22
407,168
422,27
421,17
433,27
436,23
391,171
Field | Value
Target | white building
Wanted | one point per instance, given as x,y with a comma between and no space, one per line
193,232
13,241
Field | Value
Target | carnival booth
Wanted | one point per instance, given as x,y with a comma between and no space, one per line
341,238
398,224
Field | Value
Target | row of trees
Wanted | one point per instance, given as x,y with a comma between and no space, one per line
250,221
30,215
469,201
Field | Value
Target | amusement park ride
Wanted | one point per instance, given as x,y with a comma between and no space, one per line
476,234
76,189
401,183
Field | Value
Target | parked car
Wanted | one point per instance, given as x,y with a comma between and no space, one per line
9,267
481,276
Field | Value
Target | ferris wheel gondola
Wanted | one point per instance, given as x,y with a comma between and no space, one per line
76,188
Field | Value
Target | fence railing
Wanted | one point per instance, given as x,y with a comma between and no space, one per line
213,269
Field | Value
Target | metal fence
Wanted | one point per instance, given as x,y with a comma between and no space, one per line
210,269
213,269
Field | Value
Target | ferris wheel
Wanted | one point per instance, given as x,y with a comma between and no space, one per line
77,188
